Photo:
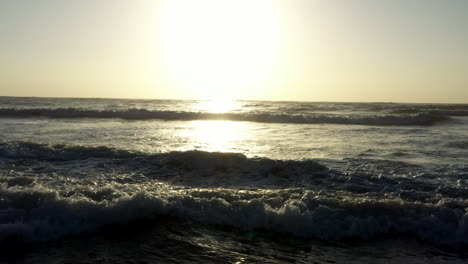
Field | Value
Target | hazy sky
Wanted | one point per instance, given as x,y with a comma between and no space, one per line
308,50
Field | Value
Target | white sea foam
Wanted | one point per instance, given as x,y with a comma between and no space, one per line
42,214
360,182
301,198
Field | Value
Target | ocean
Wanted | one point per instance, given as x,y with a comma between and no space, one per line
177,181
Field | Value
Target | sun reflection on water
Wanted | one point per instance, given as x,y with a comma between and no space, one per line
222,136
218,106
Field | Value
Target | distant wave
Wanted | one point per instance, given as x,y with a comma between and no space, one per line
32,150
442,112
143,114
458,144
449,112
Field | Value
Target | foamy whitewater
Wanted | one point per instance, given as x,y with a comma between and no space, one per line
166,181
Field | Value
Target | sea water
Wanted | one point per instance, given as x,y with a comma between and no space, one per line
173,181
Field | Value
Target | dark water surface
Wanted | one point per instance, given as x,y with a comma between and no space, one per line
172,240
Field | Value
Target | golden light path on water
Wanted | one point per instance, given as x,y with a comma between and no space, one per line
218,135
217,106
222,136
253,139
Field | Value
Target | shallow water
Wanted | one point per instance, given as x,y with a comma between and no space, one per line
323,182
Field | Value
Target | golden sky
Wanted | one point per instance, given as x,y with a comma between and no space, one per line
307,50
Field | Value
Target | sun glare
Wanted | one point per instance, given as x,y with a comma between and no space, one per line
218,49
209,135
217,106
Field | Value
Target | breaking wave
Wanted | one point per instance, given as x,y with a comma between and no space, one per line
43,214
143,114
331,206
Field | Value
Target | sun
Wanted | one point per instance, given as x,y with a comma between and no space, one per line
218,49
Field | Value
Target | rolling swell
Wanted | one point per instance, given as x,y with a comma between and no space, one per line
143,114
441,112
23,149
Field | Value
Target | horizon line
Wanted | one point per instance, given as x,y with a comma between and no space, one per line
248,100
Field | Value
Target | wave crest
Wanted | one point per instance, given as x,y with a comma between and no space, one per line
143,114
44,215
315,202
22,149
